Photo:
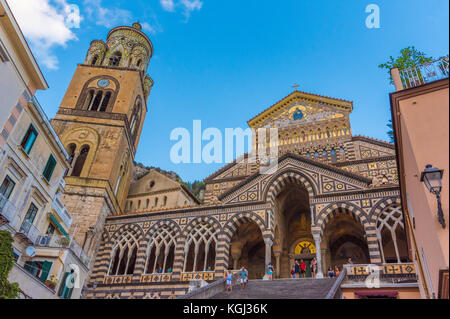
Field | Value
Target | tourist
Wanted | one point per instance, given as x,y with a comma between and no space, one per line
337,271
293,272
330,272
314,267
169,270
209,269
229,286
160,271
350,261
303,268
244,275
297,269
270,271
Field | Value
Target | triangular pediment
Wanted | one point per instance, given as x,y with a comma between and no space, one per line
322,179
301,107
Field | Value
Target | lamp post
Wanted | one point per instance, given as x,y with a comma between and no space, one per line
432,177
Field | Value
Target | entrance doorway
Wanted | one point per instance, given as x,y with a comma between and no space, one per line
293,226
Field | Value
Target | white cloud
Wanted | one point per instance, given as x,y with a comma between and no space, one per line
147,27
43,22
187,5
167,5
107,17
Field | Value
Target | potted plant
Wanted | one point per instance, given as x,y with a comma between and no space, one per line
52,282
64,241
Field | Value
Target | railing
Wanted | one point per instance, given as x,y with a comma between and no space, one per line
64,242
8,210
334,291
384,273
425,73
62,211
29,230
210,290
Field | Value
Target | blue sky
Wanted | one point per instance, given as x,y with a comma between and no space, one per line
223,62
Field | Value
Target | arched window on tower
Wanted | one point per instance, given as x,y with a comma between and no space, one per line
124,255
114,60
135,118
333,156
138,64
71,148
81,160
165,201
97,100
94,60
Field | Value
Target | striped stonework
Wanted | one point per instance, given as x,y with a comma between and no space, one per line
280,181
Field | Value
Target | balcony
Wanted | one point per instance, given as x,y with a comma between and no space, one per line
62,212
65,243
9,211
29,231
416,76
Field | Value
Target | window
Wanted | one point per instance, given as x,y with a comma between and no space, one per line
49,168
316,154
17,254
29,219
97,100
147,203
124,255
333,156
114,60
71,151
94,60
79,163
29,139
3,57
161,251
200,248
39,269
165,201
6,188
156,201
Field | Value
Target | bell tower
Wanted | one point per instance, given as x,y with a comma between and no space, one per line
99,122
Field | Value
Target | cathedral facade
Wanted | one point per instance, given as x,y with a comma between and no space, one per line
333,195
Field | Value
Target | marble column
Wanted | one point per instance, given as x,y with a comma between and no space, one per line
277,255
318,240
268,260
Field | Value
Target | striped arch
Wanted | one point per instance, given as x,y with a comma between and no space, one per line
238,219
128,227
381,205
204,219
167,222
102,259
333,209
359,215
276,184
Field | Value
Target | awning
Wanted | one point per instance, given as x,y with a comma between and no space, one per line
377,293
53,218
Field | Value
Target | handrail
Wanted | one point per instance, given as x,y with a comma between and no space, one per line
214,285
337,284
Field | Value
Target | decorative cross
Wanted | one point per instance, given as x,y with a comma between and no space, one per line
295,86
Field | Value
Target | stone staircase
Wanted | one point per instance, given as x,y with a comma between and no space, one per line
281,289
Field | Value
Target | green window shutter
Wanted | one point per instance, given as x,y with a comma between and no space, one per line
49,168
62,286
29,139
45,270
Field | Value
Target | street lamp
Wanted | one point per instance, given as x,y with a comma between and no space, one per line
432,177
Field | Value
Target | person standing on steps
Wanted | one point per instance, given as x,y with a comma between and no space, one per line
330,272
350,261
293,272
314,267
337,271
297,269
303,268
270,271
229,281
244,275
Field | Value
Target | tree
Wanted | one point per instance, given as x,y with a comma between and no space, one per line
409,57
7,290
390,132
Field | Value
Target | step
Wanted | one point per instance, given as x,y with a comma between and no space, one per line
281,289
